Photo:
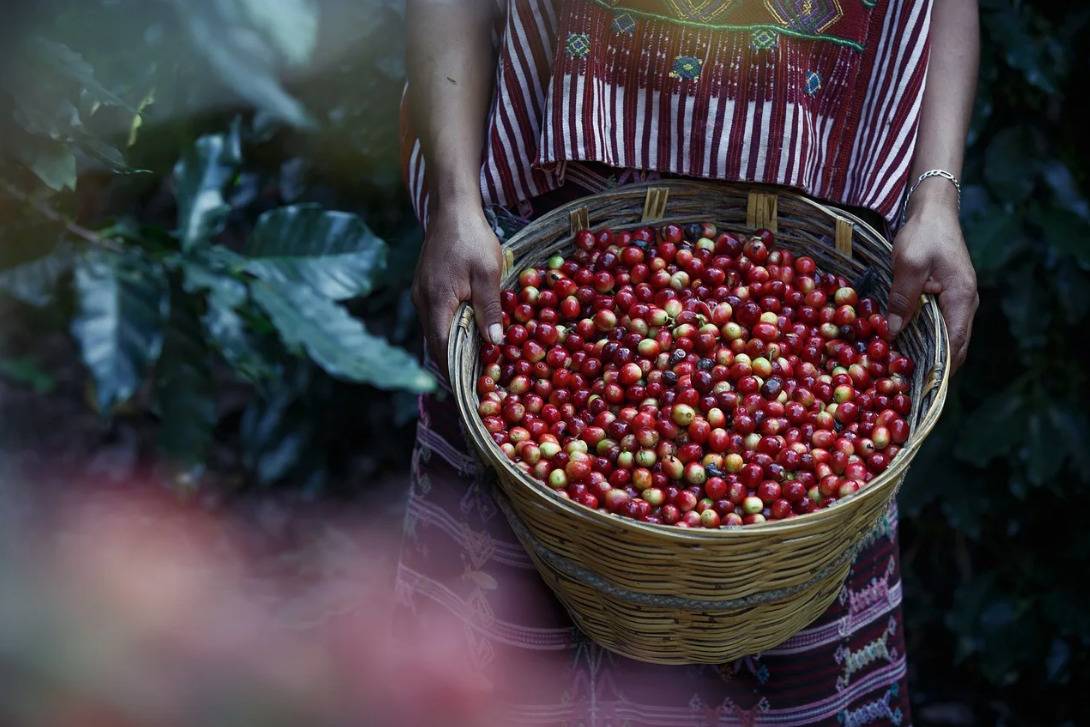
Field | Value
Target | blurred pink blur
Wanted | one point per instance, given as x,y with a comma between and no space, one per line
121,606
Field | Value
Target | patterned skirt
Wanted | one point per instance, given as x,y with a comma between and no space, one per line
463,572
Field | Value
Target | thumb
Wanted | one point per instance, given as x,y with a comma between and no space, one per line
486,302
909,276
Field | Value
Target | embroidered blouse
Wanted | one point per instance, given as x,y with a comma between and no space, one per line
820,95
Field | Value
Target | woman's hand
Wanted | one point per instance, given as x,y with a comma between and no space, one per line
460,261
929,256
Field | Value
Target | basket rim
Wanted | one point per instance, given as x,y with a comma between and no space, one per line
463,327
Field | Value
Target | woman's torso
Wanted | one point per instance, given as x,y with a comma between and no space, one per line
821,95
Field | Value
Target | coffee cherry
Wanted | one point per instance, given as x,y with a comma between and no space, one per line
693,378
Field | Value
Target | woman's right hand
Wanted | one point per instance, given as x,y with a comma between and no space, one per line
461,260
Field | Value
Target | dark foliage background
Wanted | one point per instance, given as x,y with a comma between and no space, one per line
114,93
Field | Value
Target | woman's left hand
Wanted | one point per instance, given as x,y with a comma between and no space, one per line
929,256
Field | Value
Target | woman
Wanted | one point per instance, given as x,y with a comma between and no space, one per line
847,100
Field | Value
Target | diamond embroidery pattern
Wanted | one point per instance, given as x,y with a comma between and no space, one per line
686,68
624,24
807,16
764,39
578,45
702,10
813,83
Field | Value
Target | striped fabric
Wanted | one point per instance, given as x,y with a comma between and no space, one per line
829,109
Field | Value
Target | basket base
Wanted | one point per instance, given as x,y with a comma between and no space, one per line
674,636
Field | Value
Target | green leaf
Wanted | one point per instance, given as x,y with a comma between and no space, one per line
51,161
28,372
247,43
291,26
121,303
1059,654
33,282
225,326
44,105
1024,49
1068,421
1065,189
68,64
992,429
185,392
276,432
1010,164
335,340
98,152
1043,460
200,177
333,252
1066,232
54,93
993,236
1073,292
1027,307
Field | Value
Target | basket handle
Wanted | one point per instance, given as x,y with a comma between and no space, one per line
931,385
761,210
579,218
844,230
654,203
508,262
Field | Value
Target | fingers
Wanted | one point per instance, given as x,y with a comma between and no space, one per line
959,303
435,311
909,276
438,332
486,300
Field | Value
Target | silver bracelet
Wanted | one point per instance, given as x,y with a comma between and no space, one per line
926,175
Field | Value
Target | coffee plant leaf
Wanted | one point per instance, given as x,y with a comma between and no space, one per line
1043,459
335,253
200,177
1035,55
992,429
337,342
1028,309
27,371
51,161
1073,292
1010,166
68,64
993,239
121,304
34,281
248,43
228,330
1067,233
276,431
185,392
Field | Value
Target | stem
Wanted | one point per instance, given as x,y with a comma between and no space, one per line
54,216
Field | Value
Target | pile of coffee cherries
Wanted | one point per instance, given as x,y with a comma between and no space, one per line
695,378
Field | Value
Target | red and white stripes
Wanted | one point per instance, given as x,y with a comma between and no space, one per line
834,121
882,151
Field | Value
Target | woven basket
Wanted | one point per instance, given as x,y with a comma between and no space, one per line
670,595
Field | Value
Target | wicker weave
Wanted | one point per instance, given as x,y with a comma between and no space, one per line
671,595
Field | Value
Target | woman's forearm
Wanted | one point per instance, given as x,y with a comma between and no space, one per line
929,253
948,99
450,70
